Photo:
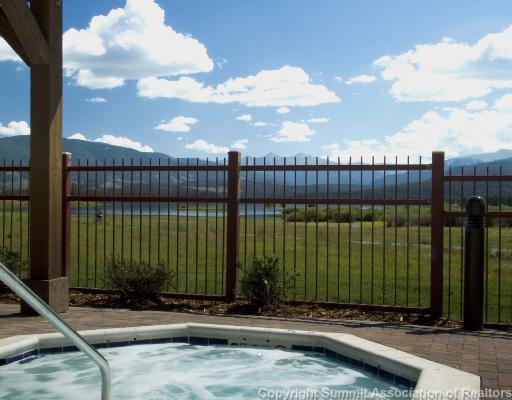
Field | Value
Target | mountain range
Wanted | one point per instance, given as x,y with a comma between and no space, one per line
17,148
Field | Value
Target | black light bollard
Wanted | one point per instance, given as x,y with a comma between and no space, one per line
474,264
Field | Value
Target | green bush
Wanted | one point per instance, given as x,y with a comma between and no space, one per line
137,280
398,221
322,214
454,221
264,281
414,220
13,261
343,216
495,222
423,220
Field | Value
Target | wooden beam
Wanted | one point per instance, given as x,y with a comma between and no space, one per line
45,148
46,163
28,33
10,37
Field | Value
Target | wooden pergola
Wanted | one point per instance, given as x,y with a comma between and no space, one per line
34,31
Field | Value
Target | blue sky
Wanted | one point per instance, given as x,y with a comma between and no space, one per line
330,78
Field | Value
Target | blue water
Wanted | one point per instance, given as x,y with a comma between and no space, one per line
258,212
183,371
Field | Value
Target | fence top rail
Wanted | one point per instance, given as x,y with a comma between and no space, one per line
14,168
145,168
250,167
478,178
336,167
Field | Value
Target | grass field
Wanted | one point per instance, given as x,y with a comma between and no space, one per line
367,262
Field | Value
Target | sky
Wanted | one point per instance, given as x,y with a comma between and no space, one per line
331,78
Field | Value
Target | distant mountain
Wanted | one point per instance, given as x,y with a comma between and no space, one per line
479,158
262,183
18,148
491,190
458,165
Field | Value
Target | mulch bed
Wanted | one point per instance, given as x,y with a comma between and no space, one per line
240,307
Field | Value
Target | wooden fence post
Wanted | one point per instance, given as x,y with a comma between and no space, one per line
436,232
66,214
233,223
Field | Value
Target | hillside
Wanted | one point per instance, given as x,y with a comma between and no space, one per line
17,148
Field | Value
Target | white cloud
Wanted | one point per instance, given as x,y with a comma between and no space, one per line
114,141
476,105
240,144
450,70
338,79
86,78
287,86
363,79
457,131
96,100
204,146
123,142
77,136
220,63
352,148
177,124
6,53
318,120
15,128
261,124
130,43
504,103
293,132
244,117
283,110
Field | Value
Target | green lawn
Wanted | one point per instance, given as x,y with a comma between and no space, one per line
379,264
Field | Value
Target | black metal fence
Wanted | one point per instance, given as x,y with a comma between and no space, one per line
344,234
495,186
369,232
14,210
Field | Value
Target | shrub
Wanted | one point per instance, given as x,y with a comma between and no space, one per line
454,221
311,214
308,214
342,216
264,281
424,220
495,222
12,260
368,216
137,280
414,220
399,221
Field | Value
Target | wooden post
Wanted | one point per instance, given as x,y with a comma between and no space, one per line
436,232
66,214
233,224
46,277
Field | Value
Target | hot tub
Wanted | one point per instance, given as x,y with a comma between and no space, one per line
198,361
